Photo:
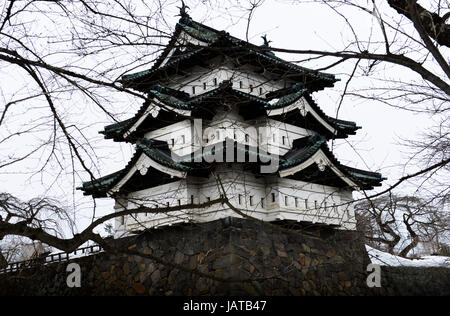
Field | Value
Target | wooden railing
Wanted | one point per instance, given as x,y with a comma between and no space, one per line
51,258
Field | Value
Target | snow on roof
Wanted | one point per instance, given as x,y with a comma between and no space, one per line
387,259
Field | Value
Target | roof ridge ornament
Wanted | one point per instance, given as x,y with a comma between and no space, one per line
183,10
266,41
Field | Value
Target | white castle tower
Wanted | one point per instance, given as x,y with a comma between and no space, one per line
227,119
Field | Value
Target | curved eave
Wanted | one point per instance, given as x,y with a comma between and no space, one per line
329,78
317,152
302,103
321,159
160,101
98,187
115,131
162,57
149,154
348,127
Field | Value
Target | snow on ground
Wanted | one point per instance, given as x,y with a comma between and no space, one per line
386,259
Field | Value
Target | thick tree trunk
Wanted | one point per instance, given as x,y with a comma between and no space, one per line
3,262
433,24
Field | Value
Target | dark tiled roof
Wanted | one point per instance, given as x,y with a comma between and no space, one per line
156,150
305,148
217,38
180,100
347,126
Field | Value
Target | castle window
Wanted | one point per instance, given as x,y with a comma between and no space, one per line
247,138
183,139
251,88
240,199
240,84
296,202
306,203
173,142
192,199
260,91
204,85
284,140
215,81
273,197
193,89
286,200
262,202
251,200
179,202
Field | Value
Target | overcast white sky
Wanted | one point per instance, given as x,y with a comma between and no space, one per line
304,26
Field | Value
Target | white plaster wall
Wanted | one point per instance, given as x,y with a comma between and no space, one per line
201,80
272,136
253,196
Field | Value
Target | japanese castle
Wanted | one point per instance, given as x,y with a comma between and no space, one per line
228,119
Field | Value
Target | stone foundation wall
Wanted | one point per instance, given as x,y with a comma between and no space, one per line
242,257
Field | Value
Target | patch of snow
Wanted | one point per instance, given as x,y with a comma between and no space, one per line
273,101
386,259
